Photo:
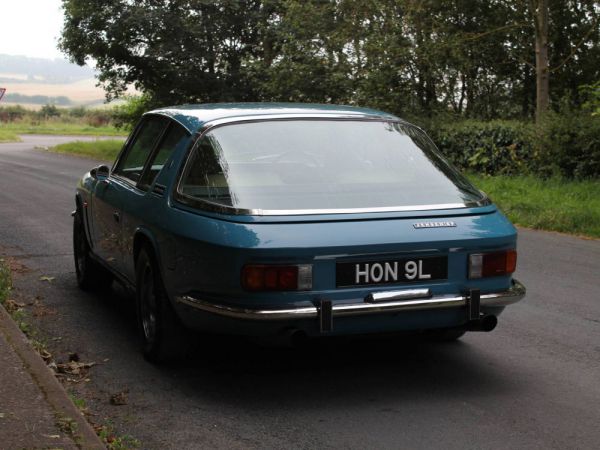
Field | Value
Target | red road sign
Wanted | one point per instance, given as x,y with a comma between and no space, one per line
2,91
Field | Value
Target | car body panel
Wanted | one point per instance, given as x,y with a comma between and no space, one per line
211,246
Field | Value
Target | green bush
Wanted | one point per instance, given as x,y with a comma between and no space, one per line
125,116
565,145
12,113
49,111
78,111
570,146
496,147
591,93
98,117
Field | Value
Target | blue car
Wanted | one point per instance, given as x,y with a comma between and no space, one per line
291,220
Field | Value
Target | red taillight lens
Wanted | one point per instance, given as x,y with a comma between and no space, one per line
253,278
511,261
260,277
492,264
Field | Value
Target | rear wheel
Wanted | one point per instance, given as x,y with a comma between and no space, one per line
163,335
90,274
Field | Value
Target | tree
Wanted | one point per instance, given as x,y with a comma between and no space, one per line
592,94
539,11
473,58
48,111
174,50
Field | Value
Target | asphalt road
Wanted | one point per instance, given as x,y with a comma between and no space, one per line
532,383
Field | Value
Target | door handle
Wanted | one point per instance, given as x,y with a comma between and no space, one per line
116,216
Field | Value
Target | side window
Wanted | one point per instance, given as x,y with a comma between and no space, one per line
175,137
132,163
206,174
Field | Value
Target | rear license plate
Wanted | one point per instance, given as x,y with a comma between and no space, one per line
391,271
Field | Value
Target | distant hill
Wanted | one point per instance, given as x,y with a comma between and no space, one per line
22,69
36,81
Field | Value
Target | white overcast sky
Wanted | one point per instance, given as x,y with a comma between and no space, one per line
30,27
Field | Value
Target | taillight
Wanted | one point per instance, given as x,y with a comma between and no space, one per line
263,277
483,265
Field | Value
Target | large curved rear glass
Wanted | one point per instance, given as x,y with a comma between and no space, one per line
334,165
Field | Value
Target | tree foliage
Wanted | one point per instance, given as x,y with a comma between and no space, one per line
473,58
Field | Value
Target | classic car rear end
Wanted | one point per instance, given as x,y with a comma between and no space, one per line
379,274
337,226
296,220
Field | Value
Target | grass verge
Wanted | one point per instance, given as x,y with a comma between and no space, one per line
106,431
5,281
104,150
553,204
8,136
114,441
17,311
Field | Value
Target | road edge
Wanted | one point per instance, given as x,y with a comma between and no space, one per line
44,378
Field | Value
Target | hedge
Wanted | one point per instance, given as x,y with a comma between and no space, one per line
563,145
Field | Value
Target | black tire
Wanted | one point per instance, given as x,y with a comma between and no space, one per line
91,276
164,338
445,334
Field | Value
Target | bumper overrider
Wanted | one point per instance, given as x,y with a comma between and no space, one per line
386,302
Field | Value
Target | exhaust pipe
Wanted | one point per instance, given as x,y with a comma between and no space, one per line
484,323
296,338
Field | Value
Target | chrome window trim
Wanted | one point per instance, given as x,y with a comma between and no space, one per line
209,206
172,118
131,138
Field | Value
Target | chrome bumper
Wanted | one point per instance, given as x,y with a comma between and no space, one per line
503,298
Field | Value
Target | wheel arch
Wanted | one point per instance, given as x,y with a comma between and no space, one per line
78,201
80,207
144,238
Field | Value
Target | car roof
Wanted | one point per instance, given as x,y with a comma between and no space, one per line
194,117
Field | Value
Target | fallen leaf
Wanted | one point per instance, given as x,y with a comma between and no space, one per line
74,368
41,310
16,267
2,415
45,354
119,398
46,278
11,306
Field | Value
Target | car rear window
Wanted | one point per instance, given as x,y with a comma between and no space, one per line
333,165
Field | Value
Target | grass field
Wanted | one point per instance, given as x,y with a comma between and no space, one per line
82,92
106,150
59,127
554,204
